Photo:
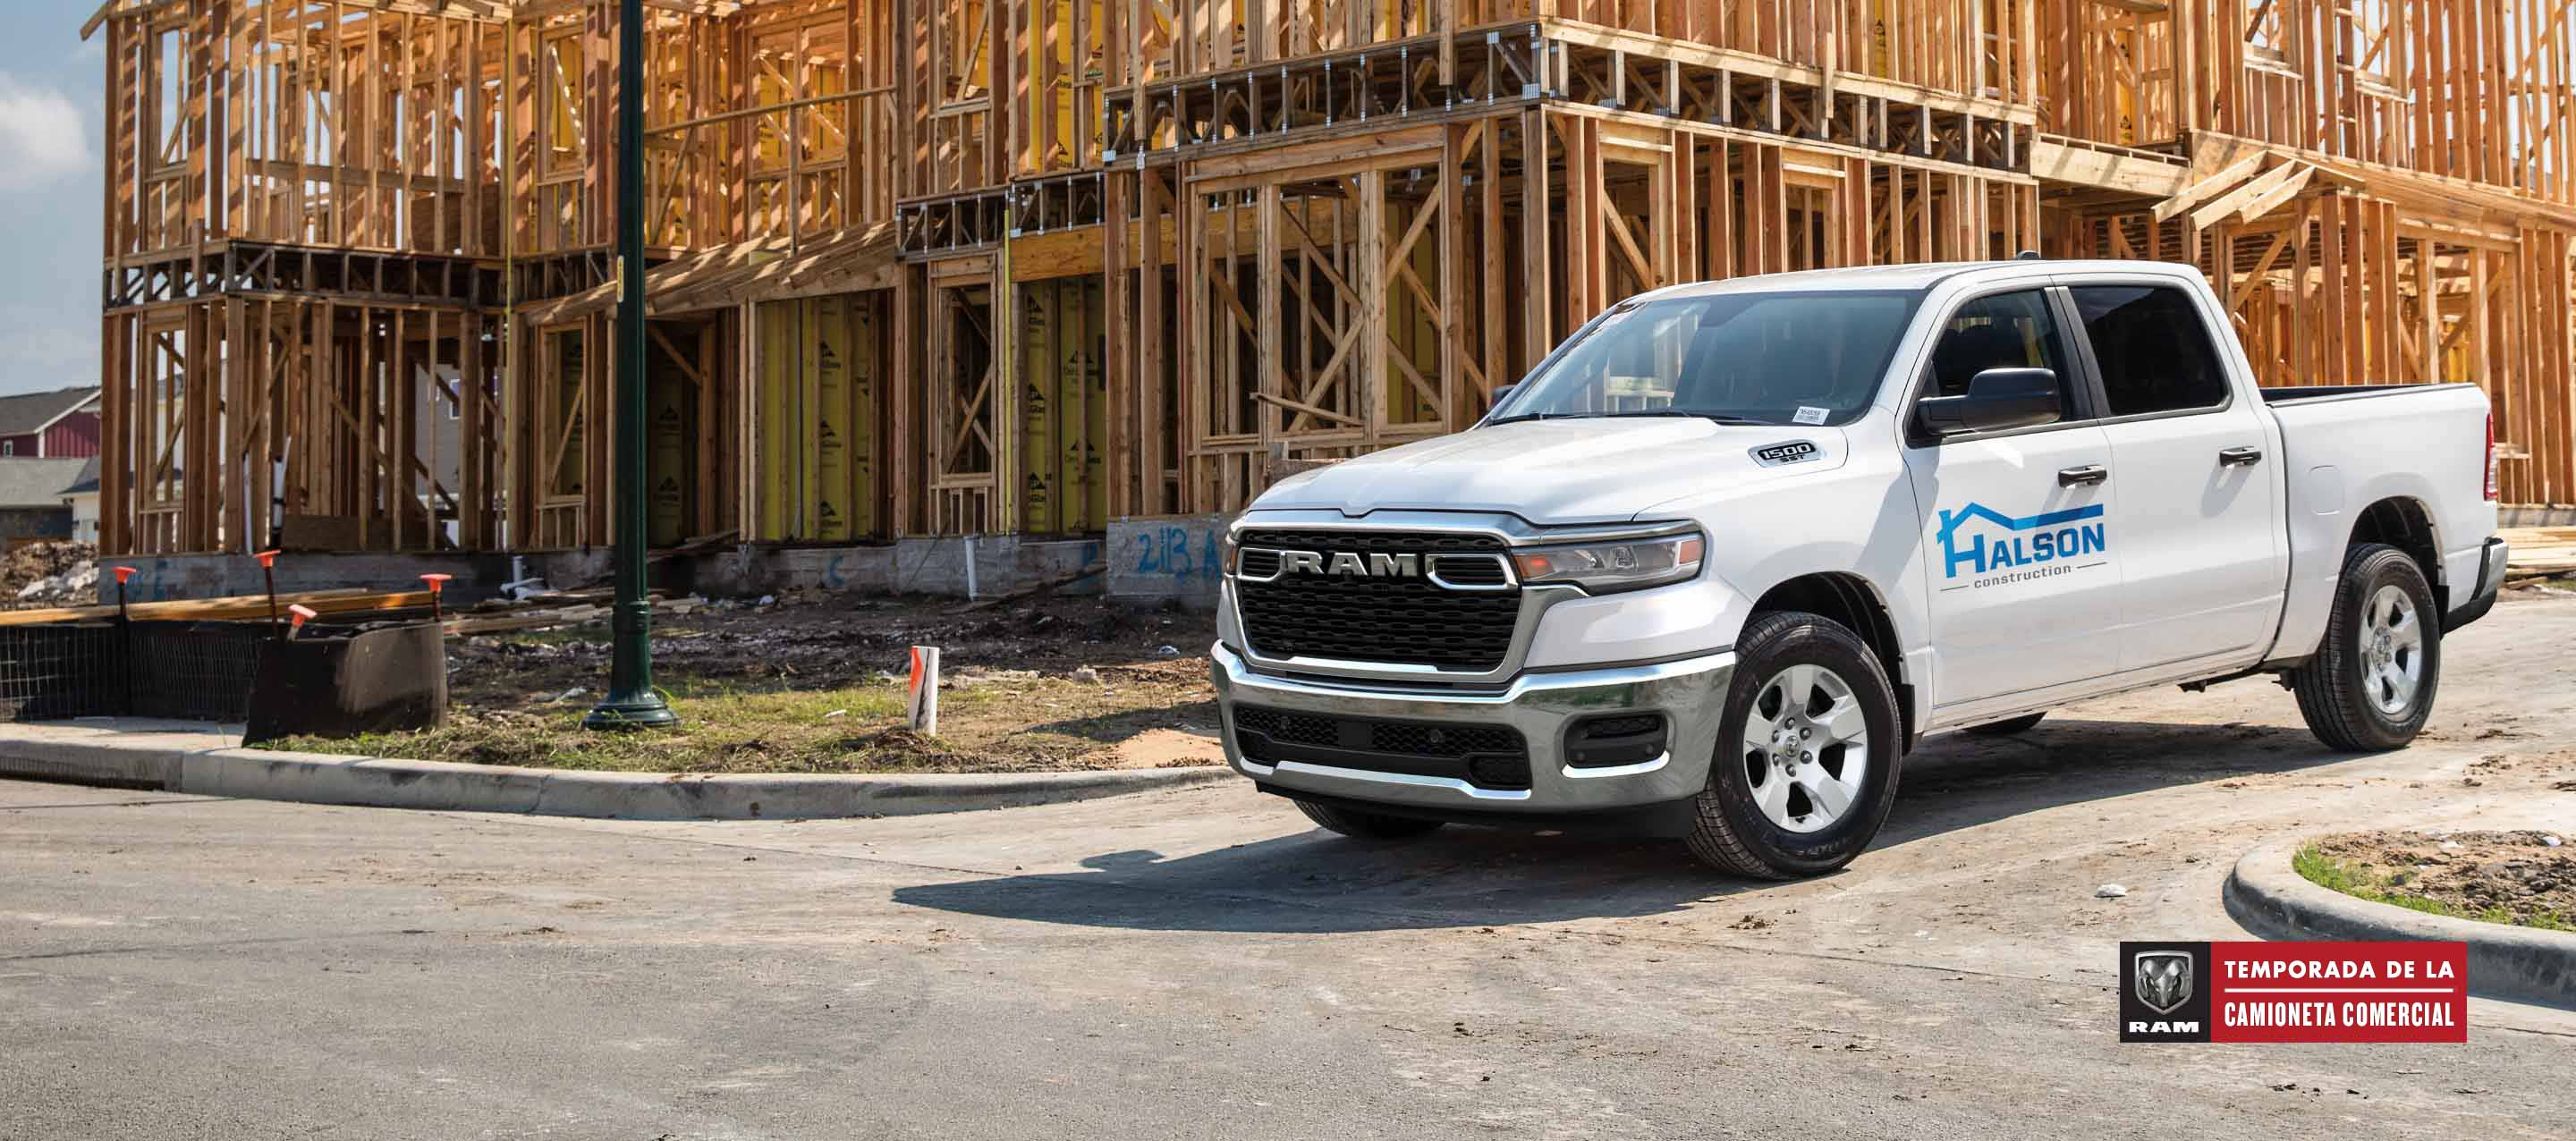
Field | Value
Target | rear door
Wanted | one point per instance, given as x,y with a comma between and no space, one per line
2198,523
2024,594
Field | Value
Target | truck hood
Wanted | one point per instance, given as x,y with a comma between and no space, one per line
1558,471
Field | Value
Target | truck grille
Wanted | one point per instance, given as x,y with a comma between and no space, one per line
1410,621
1488,756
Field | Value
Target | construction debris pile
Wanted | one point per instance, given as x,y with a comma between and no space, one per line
52,571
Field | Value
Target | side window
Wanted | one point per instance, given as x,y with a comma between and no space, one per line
2006,330
2153,349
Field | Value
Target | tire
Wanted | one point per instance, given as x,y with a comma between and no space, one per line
1365,825
2006,727
2352,691
1744,823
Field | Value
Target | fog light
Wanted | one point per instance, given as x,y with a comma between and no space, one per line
1609,741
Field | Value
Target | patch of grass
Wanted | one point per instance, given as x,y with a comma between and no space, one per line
1024,722
2334,875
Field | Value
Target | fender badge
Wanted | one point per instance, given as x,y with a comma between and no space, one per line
1790,452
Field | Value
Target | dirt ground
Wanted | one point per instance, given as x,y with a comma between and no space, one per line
2523,877
1203,961
816,685
1054,683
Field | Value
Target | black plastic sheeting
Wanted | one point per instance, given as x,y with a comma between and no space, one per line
198,671
328,682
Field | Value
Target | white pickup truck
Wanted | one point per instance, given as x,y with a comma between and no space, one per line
1729,552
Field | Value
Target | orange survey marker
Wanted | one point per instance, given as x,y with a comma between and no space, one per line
437,586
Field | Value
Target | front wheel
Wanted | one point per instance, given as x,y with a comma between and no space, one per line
1807,753
2370,684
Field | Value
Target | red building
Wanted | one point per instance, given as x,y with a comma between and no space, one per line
62,424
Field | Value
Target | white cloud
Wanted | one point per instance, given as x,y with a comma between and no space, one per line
42,135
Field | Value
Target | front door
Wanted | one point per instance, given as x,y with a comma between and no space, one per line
2024,592
2203,553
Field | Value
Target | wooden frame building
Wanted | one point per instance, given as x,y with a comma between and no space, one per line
936,267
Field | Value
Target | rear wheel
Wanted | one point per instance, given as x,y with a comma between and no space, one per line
1805,770
1364,825
2006,727
2370,685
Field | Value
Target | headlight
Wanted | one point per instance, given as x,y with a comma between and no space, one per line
1605,567
1226,551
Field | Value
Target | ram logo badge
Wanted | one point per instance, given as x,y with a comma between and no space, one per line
2163,979
1375,565
1791,452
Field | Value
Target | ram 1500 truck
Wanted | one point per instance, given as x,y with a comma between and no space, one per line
1727,554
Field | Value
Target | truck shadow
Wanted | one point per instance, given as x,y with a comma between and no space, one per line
1957,780
1314,882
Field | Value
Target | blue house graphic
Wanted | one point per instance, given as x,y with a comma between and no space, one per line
2027,539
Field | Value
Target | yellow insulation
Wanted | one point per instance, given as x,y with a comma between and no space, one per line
815,437
1064,402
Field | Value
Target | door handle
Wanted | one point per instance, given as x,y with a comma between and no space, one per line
2087,474
2239,457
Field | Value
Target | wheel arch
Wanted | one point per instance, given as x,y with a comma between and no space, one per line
2403,522
1858,605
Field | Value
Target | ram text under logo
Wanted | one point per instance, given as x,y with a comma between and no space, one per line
2163,979
1377,564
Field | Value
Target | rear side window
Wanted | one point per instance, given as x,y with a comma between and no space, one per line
2153,349
2005,330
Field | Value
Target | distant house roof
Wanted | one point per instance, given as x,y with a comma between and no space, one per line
86,480
37,411
29,482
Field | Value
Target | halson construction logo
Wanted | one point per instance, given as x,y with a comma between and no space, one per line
1991,548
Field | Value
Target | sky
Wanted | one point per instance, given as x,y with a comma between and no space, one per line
50,177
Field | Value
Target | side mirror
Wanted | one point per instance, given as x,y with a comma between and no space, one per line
1997,399
1502,392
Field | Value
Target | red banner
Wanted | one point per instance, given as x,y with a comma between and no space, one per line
2339,992
2294,992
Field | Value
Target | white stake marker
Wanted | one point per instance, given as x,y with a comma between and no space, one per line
924,706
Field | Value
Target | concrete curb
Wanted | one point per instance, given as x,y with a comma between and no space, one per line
385,782
2520,964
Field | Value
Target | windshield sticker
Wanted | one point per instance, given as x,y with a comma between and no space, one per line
1793,451
1810,414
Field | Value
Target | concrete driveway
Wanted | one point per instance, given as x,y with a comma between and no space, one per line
1202,964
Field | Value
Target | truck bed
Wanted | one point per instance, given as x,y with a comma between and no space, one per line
2346,447
2300,394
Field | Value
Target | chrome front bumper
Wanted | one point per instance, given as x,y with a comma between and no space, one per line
1690,693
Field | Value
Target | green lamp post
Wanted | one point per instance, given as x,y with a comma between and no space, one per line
632,703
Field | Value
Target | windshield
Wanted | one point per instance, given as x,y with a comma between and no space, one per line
1761,358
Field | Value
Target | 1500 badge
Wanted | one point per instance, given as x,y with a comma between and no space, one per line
1794,451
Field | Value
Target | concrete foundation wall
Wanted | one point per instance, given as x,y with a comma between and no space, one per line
2533,516
1001,564
1166,559
162,578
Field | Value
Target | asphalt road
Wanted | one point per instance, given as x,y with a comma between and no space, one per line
1201,964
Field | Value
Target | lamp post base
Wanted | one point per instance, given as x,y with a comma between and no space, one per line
645,710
